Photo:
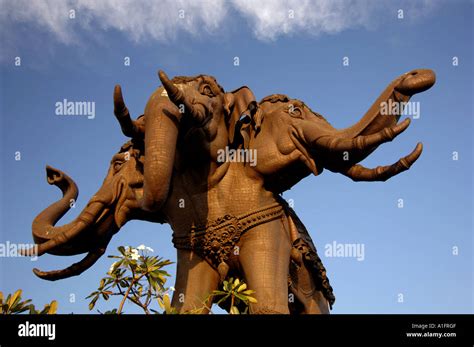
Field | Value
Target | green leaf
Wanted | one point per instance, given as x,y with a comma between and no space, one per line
21,308
114,311
121,249
218,292
161,303
5,309
167,303
91,294
32,309
14,299
26,302
242,287
92,303
236,283
252,299
241,297
53,307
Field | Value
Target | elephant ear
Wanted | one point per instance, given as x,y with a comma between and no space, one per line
237,102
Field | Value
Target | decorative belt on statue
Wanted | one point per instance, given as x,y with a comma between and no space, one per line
216,241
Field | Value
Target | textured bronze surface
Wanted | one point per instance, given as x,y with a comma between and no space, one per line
227,215
216,241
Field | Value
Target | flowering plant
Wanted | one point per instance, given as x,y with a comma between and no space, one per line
136,276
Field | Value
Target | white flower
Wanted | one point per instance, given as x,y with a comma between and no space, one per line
142,247
172,289
112,267
135,256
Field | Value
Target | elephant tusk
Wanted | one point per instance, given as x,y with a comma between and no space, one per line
73,270
178,98
129,127
85,219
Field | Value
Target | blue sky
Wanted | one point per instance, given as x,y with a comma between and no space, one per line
408,250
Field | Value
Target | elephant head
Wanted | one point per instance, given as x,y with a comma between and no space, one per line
209,113
293,141
197,109
115,203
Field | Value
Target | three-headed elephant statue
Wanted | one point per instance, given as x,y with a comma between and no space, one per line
227,215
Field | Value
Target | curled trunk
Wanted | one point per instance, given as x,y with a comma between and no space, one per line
70,238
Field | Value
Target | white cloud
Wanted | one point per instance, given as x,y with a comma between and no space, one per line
48,15
272,18
163,20
160,20
140,20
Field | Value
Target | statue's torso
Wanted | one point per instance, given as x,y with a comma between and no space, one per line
201,196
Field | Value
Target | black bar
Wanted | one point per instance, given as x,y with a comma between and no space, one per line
455,330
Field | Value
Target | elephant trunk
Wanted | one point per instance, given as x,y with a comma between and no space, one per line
161,123
400,90
377,126
73,270
46,235
44,222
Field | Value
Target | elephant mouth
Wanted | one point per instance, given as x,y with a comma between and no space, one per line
125,197
307,152
121,203
199,108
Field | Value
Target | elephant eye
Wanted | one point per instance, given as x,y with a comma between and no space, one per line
206,90
296,112
118,165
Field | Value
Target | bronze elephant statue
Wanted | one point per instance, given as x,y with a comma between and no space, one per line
227,216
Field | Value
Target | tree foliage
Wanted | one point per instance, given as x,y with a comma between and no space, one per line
13,304
136,276
234,294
